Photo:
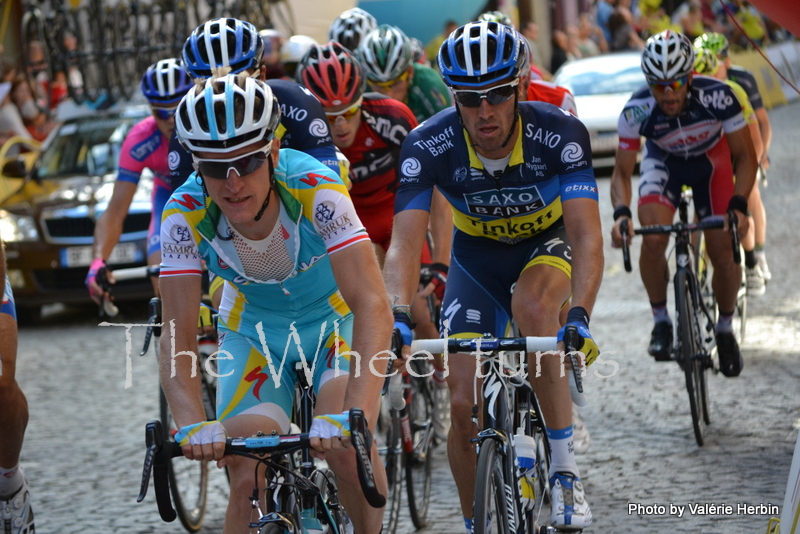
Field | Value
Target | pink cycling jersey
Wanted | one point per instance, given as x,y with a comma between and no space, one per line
144,147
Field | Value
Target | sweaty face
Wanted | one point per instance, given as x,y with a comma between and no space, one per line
669,99
488,124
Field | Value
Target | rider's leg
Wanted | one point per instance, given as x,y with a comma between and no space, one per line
366,520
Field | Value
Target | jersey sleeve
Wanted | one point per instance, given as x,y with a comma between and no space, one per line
130,165
748,83
179,253
568,103
629,125
416,175
336,221
726,107
576,175
179,162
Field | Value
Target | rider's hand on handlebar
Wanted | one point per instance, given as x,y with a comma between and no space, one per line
434,280
330,432
97,270
402,332
616,232
203,441
742,224
579,319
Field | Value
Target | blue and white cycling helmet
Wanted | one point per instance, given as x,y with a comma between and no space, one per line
480,53
165,82
244,111
224,42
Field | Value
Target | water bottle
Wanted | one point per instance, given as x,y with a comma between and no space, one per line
525,449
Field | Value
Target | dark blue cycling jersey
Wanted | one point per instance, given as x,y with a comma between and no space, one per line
304,127
748,83
551,161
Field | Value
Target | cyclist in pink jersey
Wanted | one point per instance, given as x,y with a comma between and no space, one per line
145,147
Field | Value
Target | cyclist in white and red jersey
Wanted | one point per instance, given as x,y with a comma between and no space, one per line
694,128
145,147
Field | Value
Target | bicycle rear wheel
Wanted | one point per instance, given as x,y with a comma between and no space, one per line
420,460
391,452
490,513
692,355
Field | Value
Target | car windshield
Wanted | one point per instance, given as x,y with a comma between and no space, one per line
85,146
586,82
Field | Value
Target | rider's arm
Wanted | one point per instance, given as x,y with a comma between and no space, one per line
746,163
358,276
108,228
765,128
401,268
441,225
621,192
582,223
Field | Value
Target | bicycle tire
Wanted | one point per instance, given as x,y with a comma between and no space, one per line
88,62
419,461
391,452
690,347
325,480
490,513
740,311
539,433
123,57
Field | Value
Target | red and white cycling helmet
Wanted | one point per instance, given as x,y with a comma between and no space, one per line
332,74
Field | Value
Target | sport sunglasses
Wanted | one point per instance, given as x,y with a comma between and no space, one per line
243,165
391,83
346,114
674,85
495,95
164,114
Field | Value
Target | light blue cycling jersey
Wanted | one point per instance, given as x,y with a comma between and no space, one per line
303,311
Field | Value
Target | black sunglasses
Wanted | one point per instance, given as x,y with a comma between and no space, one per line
243,165
495,95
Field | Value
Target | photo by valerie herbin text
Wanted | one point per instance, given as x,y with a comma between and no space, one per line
703,509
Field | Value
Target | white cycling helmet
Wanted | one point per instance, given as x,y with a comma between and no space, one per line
667,56
244,112
385,53
296,47
350,28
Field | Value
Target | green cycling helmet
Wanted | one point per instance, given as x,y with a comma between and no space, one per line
705,61
716,42
496,16
385,53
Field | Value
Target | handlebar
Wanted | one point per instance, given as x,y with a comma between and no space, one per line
107,307
161,451
710,223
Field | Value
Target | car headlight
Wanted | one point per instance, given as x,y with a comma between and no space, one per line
17,227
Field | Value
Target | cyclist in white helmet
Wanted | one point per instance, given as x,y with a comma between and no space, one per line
301,277
694,128
350,27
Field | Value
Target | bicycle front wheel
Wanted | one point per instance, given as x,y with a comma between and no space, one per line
420,460
188,479
391,452
691,354
490,513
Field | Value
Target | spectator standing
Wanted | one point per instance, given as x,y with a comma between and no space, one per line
432,48
560,50
591,39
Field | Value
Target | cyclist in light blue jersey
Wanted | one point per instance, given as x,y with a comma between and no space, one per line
302,285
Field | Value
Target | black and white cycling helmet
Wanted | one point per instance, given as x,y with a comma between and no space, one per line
243,112
667,56
350,28
224,42
385,53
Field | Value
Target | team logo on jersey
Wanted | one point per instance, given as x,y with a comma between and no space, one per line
173,159
505,203
536,166
460,175
179,234
324,211
572,152
140,151
717,99
222,264
439,143
636,114
545,137
294,113
411,167
318,128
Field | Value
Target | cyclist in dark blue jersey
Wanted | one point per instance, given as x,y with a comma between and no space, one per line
693,127
519,178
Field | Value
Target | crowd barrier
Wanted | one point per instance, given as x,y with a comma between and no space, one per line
786,58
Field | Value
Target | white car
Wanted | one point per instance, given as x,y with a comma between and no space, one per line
601,86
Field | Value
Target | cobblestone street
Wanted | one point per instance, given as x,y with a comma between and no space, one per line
84,446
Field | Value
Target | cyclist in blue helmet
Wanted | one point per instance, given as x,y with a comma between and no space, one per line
145,147
527,242
226,43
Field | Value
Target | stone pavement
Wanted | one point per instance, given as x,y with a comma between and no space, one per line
84,446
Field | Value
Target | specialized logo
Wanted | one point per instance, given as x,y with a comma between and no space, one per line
460,175
411,167
324,211
718,99
437,144
313,179
187,201
545,137
318,128
506,203
180,234
258,378
305,265
173,159
572,152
